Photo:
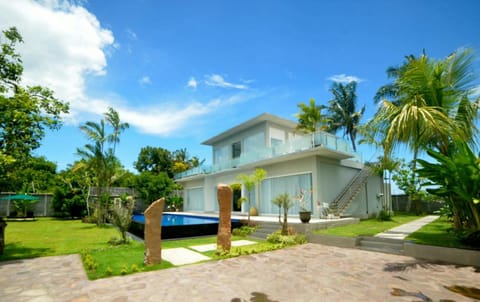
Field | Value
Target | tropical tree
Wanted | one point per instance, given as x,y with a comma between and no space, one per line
430,104
283,201
152,186
155,160
456,178
342,108
100,157
25,112
310,118
250,182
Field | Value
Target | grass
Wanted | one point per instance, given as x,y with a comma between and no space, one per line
368,227
438,233
52,237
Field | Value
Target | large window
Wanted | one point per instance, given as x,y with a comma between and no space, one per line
292,184
194,200
236,149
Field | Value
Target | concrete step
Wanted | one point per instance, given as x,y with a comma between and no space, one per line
385,245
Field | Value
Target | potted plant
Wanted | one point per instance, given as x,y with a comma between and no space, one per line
304,213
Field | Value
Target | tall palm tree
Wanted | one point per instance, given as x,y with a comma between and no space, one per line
429,103
310,118
343,110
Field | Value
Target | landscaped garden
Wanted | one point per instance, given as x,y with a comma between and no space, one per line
52,237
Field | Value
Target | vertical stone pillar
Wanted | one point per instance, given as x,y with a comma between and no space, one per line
153,232
224,193
3,225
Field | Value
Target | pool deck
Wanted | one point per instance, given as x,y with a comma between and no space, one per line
309,272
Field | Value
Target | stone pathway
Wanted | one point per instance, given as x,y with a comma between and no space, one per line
406,229
310,272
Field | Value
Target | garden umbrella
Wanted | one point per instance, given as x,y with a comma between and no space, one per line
19,197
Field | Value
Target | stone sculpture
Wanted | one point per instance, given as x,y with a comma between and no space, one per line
224,193
153,232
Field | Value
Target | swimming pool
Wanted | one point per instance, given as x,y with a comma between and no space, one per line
175,219
179,225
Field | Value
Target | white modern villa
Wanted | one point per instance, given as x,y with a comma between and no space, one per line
320,164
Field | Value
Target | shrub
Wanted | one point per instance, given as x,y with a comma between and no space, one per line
244,230
384,215
286,240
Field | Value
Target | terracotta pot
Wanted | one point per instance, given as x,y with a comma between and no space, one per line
253,211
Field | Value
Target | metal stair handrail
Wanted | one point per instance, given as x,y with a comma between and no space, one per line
351,190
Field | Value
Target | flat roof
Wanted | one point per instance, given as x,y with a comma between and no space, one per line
264,117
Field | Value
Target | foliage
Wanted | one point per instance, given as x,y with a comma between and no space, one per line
121,215
23,207
384,215
286,239
283,201
429,104
310,118
174,202
68,202
153,186
456,178
368,227
342,108
25,112
99,156
244,230
250,182
408,180
155,160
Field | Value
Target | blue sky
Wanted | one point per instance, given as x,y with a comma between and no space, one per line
180,72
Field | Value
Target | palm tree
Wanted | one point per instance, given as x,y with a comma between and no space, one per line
343,110
310,117
428,104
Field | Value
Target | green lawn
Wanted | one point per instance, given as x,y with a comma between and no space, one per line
51,237
368,227
438,232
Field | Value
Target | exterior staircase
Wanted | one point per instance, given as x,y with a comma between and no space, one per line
264,229
383,245
348,194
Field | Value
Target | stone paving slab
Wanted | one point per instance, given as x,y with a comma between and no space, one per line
181,256
402,231
213,246
310,272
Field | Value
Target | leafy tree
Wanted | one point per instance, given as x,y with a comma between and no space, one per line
310,118
409,182
155,160
68,202
25,112
250,182
456,178
121,215
342,108
34,174
153,186
100,157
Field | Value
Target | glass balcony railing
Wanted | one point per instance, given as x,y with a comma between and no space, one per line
300,143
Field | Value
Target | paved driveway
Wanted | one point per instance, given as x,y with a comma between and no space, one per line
309,272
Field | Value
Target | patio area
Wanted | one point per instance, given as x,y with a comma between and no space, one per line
308,272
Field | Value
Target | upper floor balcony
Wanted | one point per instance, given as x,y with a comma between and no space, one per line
323,143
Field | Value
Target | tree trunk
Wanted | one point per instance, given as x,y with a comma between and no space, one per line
285,223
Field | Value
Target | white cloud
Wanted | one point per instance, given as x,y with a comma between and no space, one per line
192,83
343,78
65,43
218,81
145,80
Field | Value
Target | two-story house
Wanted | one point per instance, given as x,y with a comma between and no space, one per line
320,164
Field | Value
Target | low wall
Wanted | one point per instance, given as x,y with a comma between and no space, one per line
443,254
40,209
345,242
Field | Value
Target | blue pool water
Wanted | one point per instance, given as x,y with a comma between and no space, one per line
177,220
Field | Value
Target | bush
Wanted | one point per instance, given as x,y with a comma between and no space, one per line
286,240
384,215
244,230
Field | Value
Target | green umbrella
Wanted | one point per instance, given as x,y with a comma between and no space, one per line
20,197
